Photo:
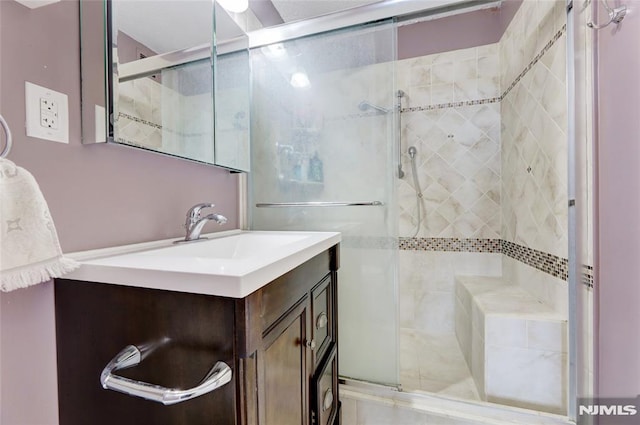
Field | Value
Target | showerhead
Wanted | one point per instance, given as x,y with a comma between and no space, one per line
365,105
413,152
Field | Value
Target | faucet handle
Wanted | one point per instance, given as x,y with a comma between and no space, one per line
194,211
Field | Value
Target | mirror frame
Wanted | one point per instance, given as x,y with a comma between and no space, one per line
95,57
99,72
96,49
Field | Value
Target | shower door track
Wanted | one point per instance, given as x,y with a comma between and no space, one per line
400,9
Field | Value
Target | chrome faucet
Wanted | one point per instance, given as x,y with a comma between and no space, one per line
195,222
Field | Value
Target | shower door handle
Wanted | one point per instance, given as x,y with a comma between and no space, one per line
130,356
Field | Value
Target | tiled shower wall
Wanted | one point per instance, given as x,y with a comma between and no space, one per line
451,116
534,150
170,117
534,128
489,124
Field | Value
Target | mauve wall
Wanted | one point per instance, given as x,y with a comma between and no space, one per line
100,195
618,205
473,29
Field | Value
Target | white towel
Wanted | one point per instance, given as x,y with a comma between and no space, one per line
29,248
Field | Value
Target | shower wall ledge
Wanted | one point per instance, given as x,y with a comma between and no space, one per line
514,345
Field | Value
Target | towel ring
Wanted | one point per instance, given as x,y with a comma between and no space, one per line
616,15
8,142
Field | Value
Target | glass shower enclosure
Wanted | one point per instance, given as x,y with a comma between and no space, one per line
324,149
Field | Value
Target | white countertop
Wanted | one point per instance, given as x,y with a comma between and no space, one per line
230,264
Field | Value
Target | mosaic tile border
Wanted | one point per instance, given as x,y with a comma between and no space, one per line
587,275
369,242
452,105
543,261
157,126
451,244
535,60
486,101
139,120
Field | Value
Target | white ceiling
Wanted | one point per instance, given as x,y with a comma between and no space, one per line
166,25
294,10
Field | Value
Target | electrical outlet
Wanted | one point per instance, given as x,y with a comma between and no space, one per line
47,113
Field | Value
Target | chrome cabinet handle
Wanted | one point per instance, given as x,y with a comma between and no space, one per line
130,356
311,344
322,320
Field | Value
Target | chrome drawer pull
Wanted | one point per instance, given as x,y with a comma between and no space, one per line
322,320
130,356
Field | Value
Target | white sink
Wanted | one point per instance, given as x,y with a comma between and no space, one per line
232,264
240,246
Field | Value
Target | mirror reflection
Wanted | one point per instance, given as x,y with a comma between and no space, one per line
159,76
152,80
169,112
169,109
232,105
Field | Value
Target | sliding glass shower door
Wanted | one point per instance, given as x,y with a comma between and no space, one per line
323,153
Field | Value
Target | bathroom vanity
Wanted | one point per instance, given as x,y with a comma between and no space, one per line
278,337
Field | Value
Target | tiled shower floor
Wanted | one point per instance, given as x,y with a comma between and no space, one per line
434,363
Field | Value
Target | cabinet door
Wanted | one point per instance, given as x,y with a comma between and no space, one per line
284,366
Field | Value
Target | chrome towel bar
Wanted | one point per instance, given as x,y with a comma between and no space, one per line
319,204
130,356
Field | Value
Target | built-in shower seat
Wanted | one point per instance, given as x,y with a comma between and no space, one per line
514,344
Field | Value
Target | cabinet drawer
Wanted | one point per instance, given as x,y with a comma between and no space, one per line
322,316
287,290
95,321
325,392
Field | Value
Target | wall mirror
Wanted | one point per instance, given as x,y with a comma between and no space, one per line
153,78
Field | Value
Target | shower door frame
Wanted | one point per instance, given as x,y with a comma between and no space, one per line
407,11
282,200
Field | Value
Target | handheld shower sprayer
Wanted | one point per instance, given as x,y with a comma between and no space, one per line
412,152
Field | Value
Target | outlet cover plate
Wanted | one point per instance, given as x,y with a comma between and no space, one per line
35,97
33,4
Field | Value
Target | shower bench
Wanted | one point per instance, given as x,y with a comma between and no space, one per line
515,345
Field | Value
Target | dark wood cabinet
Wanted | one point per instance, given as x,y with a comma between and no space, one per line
284,370
325,391
280,343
